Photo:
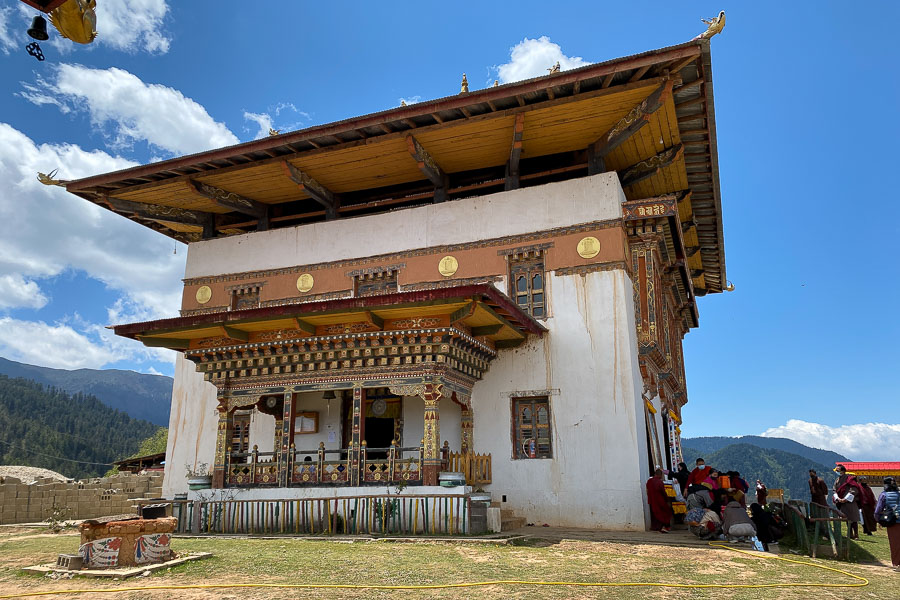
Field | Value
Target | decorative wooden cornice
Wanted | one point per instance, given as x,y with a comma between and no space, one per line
233,201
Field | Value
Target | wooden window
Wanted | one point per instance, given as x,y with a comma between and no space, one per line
531,428
245,297
527,284
373,284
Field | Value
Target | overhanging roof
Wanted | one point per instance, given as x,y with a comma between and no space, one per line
482,308
369,163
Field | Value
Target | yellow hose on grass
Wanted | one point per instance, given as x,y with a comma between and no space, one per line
861,582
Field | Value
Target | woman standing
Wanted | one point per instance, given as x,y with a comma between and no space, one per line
889,501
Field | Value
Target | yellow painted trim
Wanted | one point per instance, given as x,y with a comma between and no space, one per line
650,407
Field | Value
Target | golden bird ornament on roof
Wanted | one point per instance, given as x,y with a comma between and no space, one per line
50,178
554,68
716,25
274,131
76,20
464,87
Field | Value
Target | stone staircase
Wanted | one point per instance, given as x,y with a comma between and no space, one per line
508,518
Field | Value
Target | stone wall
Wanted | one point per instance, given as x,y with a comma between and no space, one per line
33,502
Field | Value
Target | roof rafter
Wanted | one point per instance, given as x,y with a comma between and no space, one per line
316,190
515,153
650,166
429,167
233,201
627,126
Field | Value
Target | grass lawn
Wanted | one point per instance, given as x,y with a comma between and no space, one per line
287,560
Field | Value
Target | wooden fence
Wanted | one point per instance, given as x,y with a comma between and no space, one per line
476,467
371,514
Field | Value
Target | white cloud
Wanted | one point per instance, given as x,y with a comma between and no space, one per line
46,231
131,109
859,442
411,99
17,292
532,58
58,346
132,25
7,37
262,120
38,95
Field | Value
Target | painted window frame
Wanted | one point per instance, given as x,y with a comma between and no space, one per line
533,298
519,430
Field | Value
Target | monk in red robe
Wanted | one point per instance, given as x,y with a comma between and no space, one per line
699,474
660,509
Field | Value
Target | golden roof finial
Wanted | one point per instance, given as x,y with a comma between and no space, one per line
496,82
49,179
554,68
716,25
274,131
402,102
464,88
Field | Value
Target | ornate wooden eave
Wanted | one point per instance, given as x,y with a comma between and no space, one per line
545,119
479,311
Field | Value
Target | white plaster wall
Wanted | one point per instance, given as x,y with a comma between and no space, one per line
560,204
329,422
588,362
192,427
414,422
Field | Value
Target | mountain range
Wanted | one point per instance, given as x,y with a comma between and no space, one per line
71,433
140,395
777,462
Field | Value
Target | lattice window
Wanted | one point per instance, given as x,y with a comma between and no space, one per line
527,282
531,428
245,296
375,283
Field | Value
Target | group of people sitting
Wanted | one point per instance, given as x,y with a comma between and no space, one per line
717,506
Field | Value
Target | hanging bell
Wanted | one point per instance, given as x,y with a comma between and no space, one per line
328,395
39,28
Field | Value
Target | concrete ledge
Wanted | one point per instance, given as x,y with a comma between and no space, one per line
120,573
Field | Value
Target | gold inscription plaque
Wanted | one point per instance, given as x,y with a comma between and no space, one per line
588,247
448,266
305,283
204,294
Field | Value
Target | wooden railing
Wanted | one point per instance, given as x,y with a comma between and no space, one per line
476,467
327,467
384,514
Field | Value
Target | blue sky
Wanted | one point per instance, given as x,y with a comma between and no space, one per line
806,108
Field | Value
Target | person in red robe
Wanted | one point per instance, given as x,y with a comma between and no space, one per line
699,474
660,509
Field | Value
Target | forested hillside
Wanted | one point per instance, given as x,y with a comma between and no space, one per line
41,427
776,468
705,445
139,395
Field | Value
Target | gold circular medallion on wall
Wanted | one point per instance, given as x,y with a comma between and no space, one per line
204,294
588,247
448,266
305,283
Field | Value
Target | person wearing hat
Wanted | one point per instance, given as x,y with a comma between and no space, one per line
846,498
867,505
889,501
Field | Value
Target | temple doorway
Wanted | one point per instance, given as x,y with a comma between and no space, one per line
379,434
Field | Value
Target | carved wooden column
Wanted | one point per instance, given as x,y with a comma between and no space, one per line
285,458
223,443
357,432
466,427
431,394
